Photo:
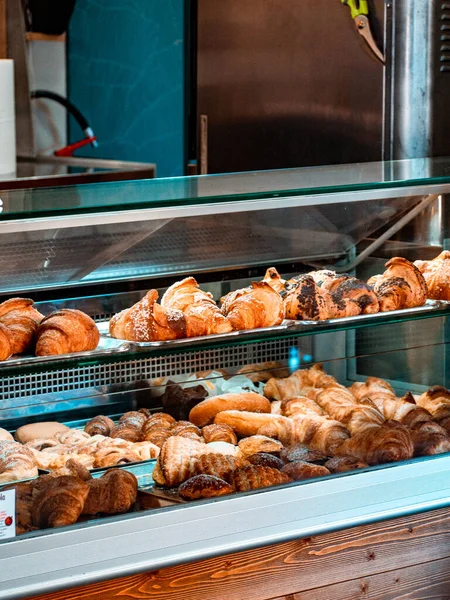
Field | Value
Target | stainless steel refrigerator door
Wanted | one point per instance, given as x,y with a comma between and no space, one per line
287,84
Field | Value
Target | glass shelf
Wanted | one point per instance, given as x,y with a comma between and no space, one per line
114,351
183,191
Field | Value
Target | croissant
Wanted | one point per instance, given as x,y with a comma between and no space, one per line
436,401
342,464
100,425
312,428
6,345
404,410
148,321
22,320
273,278
113,493
401,286
299,383
66,331
377,445
58,501
253,307
341,405
130,426
430,438
436,273
203,316
347,288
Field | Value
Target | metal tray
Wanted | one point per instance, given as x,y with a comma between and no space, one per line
111,347
288,326
107,346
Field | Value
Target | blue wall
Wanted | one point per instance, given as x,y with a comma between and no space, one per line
125,72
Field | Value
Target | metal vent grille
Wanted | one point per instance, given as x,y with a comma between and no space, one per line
125,372
444,56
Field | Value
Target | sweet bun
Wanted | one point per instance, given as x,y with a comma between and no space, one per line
33,431
301,452
204,486
253,477
299,470
259,443
265,460
5,435
205,412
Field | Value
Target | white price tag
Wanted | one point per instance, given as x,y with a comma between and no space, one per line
7,514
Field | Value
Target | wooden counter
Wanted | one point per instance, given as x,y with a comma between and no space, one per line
407,559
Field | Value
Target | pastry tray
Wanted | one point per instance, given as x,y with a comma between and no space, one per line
287,327
111,347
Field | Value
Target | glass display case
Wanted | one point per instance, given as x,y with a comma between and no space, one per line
99,248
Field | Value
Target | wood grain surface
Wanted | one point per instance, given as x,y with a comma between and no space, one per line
344,561
3,45
428,580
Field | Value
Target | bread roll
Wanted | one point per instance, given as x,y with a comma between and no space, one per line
259,443
245,423
33,431
204,413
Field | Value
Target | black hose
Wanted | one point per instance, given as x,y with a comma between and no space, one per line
71,108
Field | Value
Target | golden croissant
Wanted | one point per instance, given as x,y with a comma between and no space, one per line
113,493
66,331
341,405
58,501
401,286
148,321
6,344
436,401
378,445
300,383
203,316
436,273
274,279
256,306
21,319
404,410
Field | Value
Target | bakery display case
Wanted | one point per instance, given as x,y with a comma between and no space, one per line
100,248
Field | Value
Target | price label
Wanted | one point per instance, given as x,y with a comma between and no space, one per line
7,514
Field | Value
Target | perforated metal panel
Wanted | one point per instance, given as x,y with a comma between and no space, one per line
139,369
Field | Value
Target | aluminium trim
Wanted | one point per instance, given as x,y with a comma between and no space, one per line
214,208
161,538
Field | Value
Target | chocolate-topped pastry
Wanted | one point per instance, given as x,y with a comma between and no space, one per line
302,452
204,486
342,464
265,460
178,401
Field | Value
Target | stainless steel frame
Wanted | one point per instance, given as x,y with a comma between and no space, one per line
216,208
121,546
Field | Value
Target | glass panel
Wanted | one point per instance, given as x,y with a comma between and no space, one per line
221,188
97,253
422,348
